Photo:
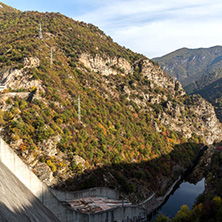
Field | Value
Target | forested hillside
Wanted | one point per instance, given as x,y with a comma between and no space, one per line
212,93
138,131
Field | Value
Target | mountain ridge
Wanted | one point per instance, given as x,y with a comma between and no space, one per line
6,8
132,114
188,65
205,75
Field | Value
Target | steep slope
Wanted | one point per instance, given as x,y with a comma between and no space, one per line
138,128
203,81
18,203
5,8
188,65
212,93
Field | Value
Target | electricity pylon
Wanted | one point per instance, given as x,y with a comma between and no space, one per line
51,57
40,30
79,109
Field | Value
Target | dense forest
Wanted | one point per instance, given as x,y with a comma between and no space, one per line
119,143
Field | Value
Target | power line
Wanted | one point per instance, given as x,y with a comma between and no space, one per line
51,57
40,30
79,109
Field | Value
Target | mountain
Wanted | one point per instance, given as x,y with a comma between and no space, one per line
138,130
212,93
199,71
188,65
6,8
203,81
209,87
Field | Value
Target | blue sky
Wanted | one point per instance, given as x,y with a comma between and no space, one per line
150,27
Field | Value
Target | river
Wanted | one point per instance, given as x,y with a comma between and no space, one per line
187,190
185,193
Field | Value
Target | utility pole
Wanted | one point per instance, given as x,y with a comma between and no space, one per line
51,57
40,30
79,109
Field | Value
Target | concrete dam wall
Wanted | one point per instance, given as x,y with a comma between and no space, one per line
26,181
17,203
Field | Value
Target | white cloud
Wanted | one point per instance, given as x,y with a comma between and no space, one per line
156,27
163,37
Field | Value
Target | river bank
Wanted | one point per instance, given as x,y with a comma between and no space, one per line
154,202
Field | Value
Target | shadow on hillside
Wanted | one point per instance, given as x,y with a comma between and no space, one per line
139,179
17,203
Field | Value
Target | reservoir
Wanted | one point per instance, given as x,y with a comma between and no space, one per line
186,193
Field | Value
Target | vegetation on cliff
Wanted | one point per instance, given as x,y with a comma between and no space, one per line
130,136
199,71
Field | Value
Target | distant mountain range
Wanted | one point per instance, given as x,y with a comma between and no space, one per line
188,65
199,71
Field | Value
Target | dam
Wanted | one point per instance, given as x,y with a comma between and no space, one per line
26,198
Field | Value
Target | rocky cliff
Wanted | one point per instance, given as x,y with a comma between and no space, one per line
134,118
177,111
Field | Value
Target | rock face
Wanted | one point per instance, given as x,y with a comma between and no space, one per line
49,146
105,66
31,62
79,161
190,115
181,116
44,173
199,119
21,78
194,117
154,73
17,79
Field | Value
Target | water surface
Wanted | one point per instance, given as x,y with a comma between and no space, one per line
186,193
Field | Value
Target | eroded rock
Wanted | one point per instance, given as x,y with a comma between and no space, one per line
106,66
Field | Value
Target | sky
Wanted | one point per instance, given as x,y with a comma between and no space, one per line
150,27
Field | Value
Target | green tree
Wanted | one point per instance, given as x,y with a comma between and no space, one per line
162,218
183,215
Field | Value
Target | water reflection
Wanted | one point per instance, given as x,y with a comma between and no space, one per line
186,193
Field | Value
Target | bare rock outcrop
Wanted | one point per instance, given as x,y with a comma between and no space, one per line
106,66
49,145
17,79
196,117
31,62
154,72
44,173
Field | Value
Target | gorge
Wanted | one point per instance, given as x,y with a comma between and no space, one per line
139,130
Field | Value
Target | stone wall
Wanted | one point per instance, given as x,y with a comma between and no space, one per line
93,192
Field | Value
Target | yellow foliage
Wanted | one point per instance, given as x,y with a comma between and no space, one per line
199,208
33,89
51,165
217,201
49,162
